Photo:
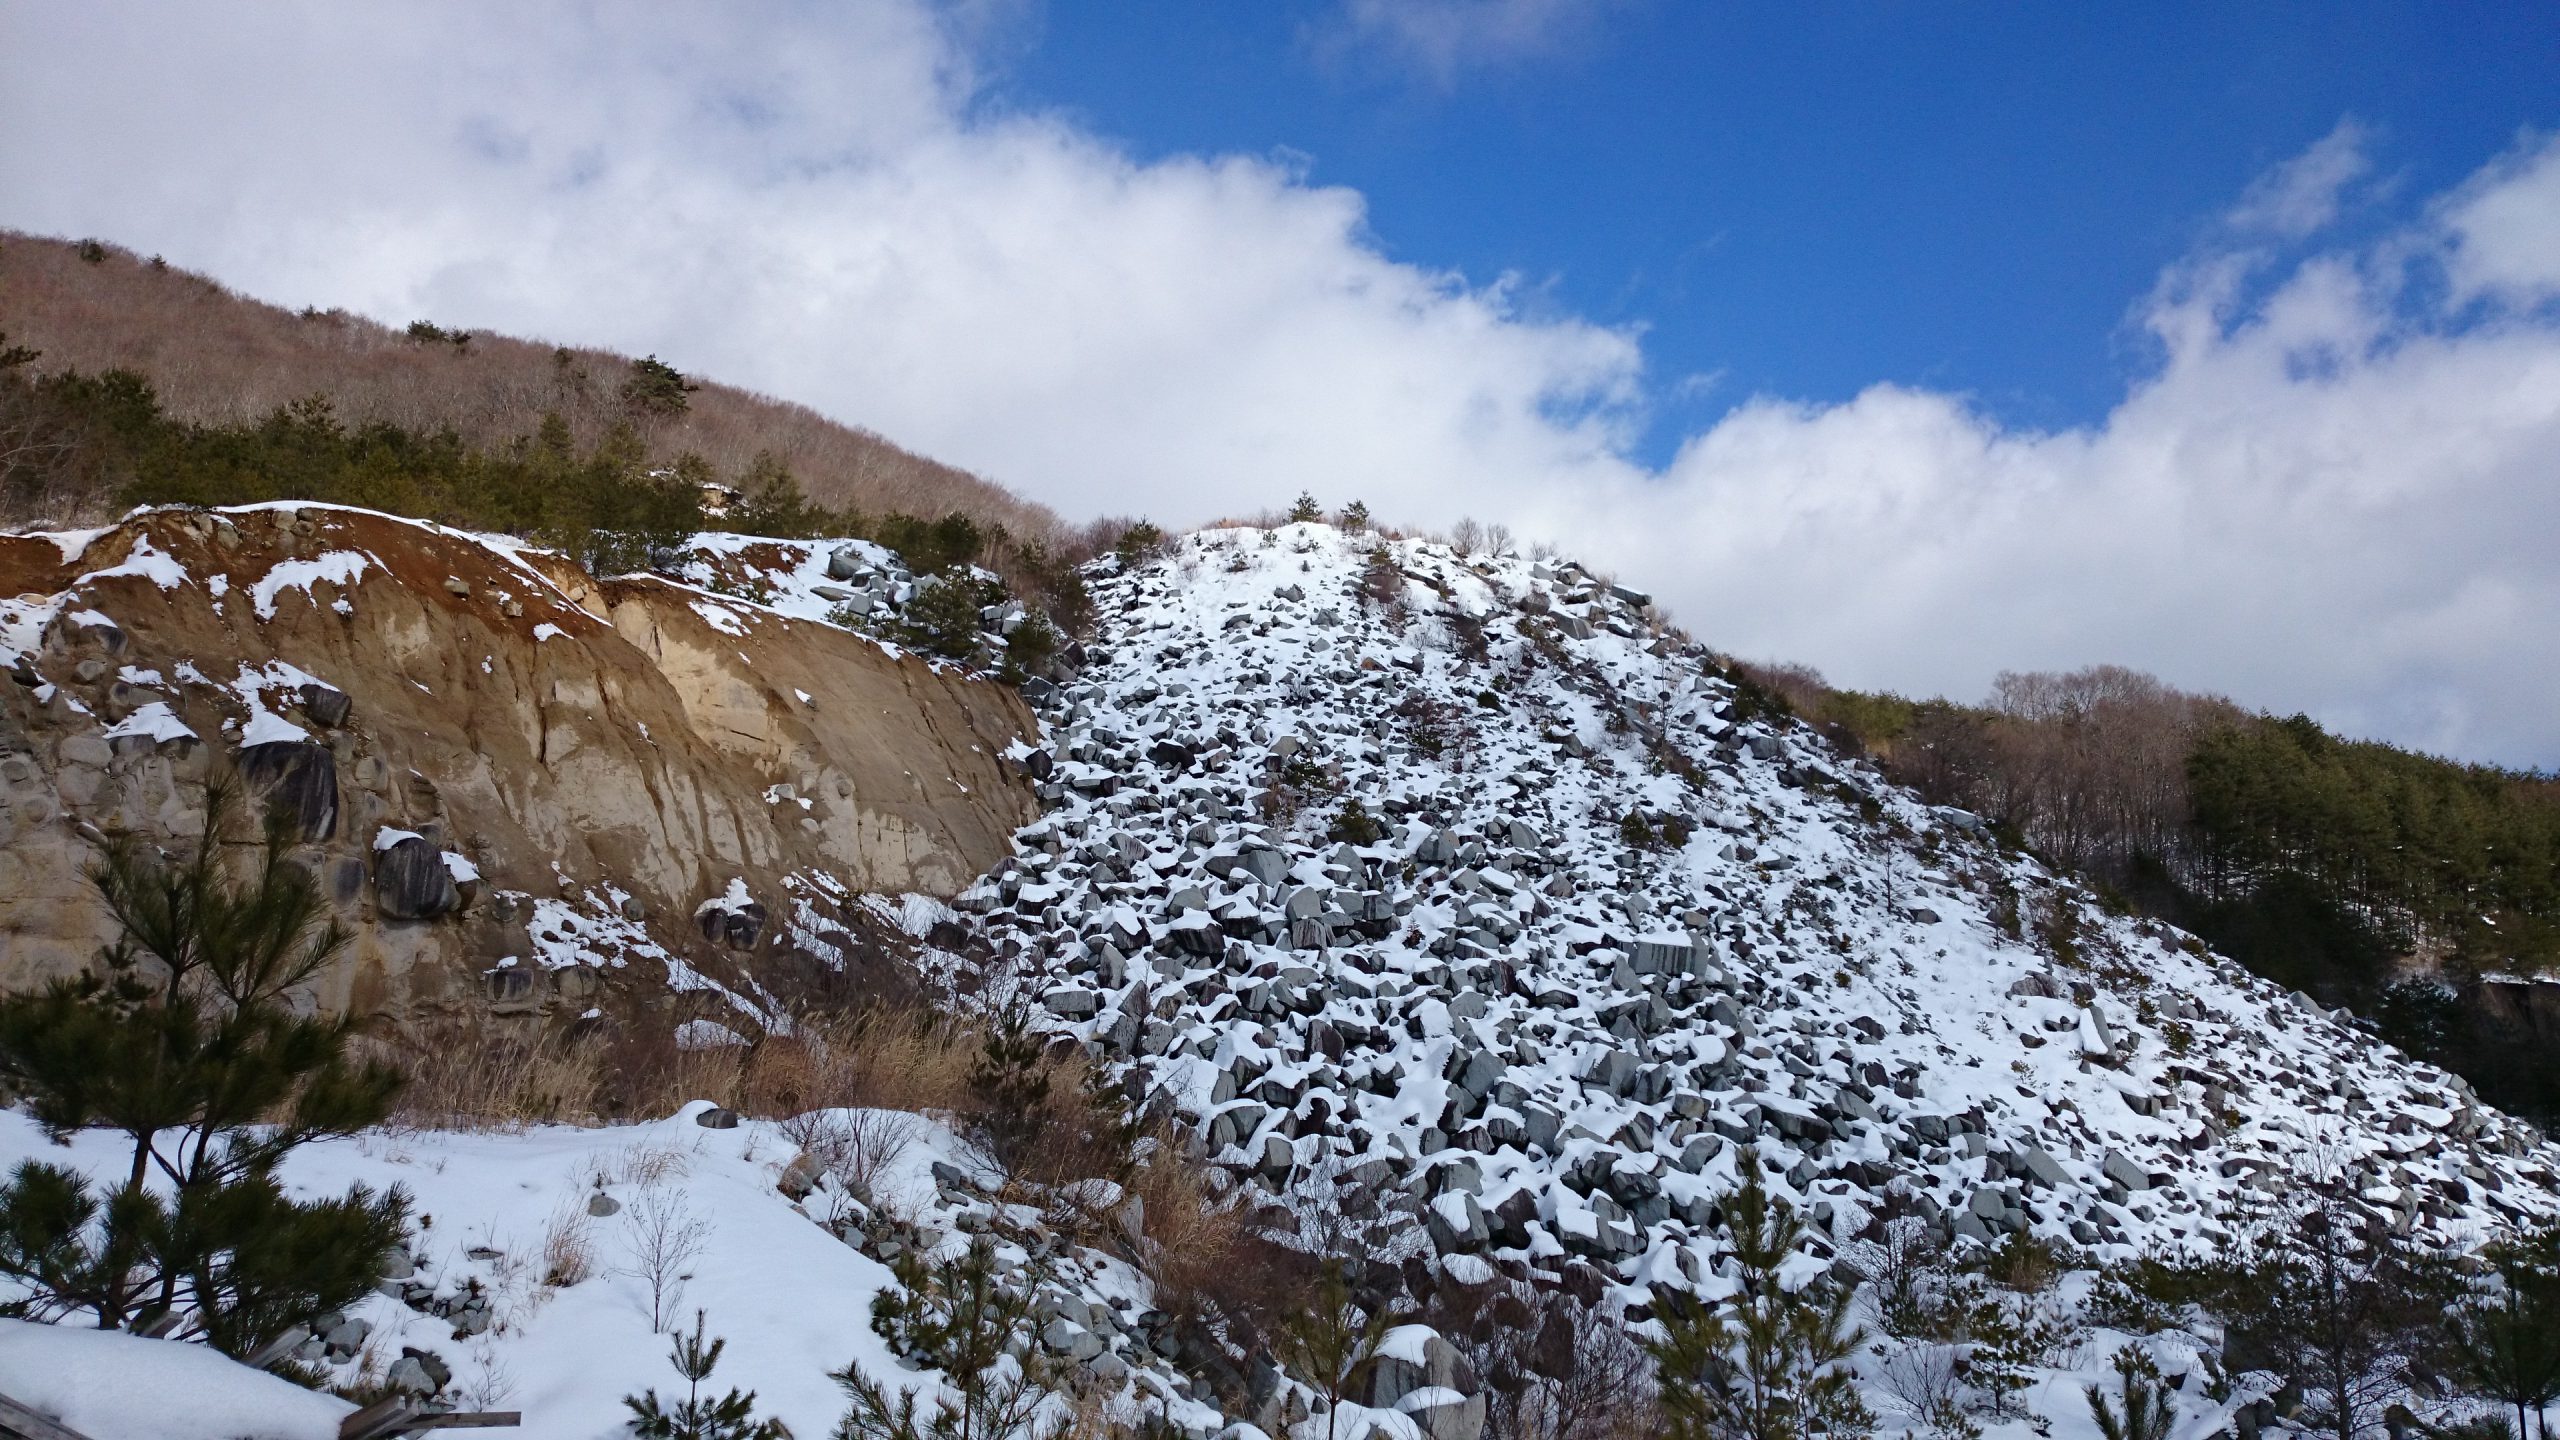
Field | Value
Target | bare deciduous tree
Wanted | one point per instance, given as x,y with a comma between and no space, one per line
664,1239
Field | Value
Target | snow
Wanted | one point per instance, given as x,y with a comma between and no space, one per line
265,727
147,561
706,1035
546,630
459,866
155,720
732,898
1802,1006
73,543
792,1300
720,618
112,1386
339,567
387,836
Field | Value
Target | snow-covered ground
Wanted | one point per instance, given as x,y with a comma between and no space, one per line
494,1210
112,1386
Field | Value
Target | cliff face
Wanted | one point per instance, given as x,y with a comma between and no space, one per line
528,777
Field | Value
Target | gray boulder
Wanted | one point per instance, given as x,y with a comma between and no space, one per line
299,780
410,881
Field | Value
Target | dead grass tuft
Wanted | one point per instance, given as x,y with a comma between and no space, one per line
568,1245
481,1075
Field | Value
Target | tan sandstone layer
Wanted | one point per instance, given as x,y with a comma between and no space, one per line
570,738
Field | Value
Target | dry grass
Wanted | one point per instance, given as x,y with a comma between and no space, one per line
484,1074
1196,1238
217,356
568,1245
659,1078
886,1059
479,1076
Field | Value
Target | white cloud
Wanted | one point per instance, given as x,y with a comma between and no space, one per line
2302,195
2505,228
2331,496
1443,39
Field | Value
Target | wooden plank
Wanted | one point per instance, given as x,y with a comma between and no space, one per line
20,1422
400,1415
379,1420
275,1352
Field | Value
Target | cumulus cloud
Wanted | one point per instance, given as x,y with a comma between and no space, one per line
2504,229
2332,494
2339,498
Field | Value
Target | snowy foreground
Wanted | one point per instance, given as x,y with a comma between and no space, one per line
793,1300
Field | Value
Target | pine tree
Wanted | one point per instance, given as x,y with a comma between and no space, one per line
1770,1365
183,1041
959,1317
1355,517
731,1417
2507,1336
1355,825
773,503
1305,510
1010,1079
656,388
1140,542
946,619
2145,1412
2338,1303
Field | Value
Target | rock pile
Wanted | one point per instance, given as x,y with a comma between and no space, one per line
1488,914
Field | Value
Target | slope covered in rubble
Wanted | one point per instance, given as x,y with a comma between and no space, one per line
1458,899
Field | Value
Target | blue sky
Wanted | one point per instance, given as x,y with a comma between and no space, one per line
1806,200
1912,342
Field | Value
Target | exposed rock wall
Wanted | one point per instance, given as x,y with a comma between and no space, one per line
542,736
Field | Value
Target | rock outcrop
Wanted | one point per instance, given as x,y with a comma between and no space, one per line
504,761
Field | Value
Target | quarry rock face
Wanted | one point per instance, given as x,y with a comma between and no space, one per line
508,759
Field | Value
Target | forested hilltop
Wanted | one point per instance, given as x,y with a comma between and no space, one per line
216,358
2373,877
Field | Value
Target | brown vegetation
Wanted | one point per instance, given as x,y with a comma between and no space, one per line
218,357
2089,767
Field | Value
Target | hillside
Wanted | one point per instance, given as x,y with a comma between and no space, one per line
1441,917
2421,893
220,358
1457,881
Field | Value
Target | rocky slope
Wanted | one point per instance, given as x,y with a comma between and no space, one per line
1457,909
515,779
1613,930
